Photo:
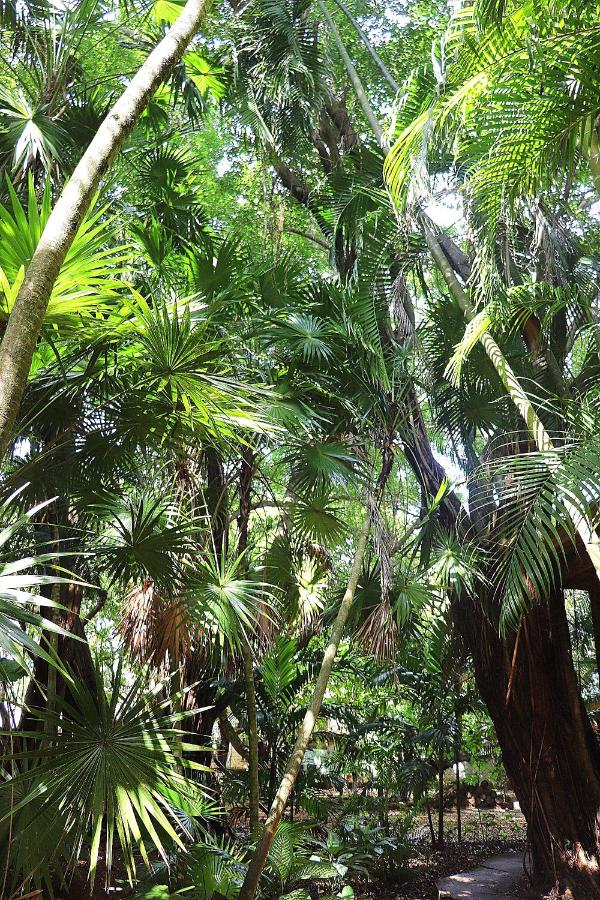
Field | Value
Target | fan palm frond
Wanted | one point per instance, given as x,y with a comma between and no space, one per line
90,276
111,771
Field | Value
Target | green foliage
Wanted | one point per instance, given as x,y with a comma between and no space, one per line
21,583
105,767
89,280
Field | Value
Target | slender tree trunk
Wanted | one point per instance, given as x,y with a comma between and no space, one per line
252,735
216,498
259,857
441,767
457,748
230,735
245,498
27,316
497,358
369,47
355,80
430,823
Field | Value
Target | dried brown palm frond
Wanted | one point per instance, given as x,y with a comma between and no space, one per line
379,633
155,628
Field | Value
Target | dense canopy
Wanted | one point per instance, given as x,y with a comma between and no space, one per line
300,435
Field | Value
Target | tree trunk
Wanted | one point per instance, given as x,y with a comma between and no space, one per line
594,595
247,467
252,735
430,823
529,686
549,749
369,48
457,749
259,857
27,316
217,502
441,767
355,80
519,398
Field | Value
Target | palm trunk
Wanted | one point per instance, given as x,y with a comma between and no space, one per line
247,467
355,80
457,748
27,316
441,767
252,735
259,857
430,822
369,47
497,358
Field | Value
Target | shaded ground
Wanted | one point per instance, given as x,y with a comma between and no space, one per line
496,879
486,833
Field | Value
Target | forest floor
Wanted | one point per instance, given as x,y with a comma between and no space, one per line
485,833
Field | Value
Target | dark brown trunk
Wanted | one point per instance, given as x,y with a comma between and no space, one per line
245,491
75,655
594,594
430,823
217,501
549,749
529,685
440,833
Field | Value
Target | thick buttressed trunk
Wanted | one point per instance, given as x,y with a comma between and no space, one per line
528,682
549,750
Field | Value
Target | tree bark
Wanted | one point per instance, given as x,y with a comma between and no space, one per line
247,468
457,749
369,48
252,736
27,316
594,595
357,85
441,767
217,501
519,398
259,857
549,749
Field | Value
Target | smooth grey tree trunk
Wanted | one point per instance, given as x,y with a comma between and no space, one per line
369,47
357,85
27,316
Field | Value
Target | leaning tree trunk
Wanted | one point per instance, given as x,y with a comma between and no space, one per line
259,858
528,683
580,518
549,750
27,316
